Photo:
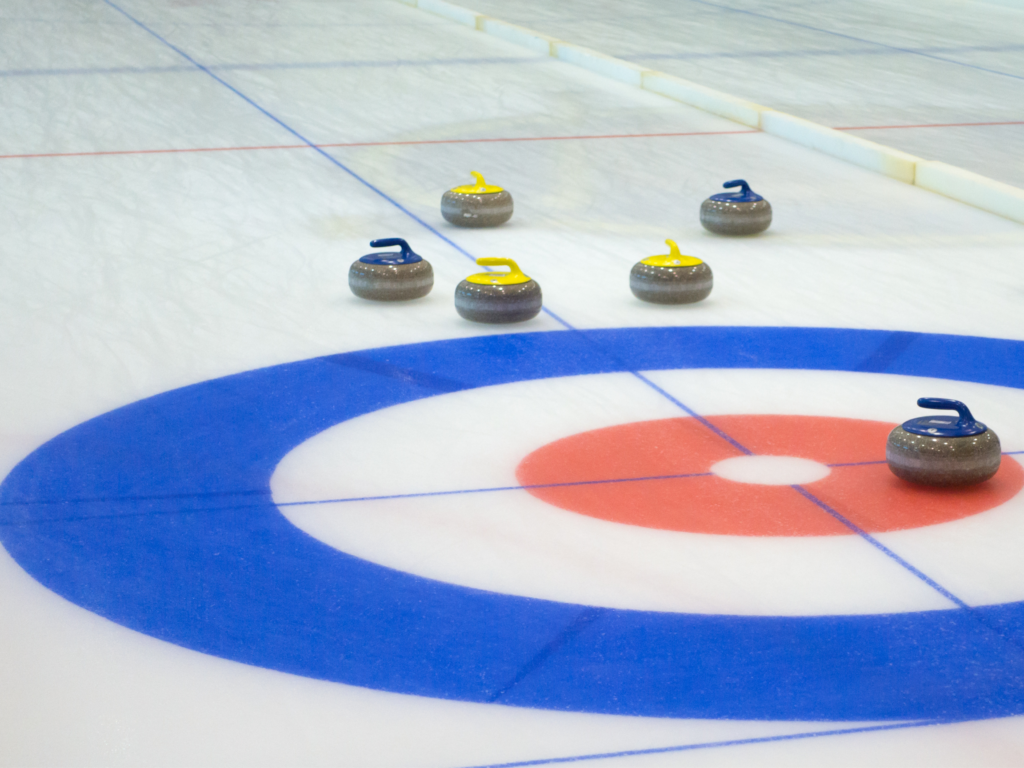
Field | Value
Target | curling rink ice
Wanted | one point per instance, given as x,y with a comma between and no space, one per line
941,80
250,519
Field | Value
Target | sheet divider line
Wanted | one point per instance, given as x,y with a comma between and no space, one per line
715,744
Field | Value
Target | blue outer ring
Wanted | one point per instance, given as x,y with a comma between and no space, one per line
158,516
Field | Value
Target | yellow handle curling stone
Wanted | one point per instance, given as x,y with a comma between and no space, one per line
671,278
498,297
477,205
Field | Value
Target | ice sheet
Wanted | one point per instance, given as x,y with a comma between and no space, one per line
126,275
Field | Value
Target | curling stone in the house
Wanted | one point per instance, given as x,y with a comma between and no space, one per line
498,297
943,449
736,213
477,205
671,278
391,275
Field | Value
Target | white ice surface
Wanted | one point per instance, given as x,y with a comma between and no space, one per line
771,470
128,275
858,63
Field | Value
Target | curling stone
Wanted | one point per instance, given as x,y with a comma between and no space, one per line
477,205
498,297
943,450
736,213
391,275
671,278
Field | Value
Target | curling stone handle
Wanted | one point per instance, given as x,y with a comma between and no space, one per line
384,242
941,403
490,261
745,188
479,178
673,249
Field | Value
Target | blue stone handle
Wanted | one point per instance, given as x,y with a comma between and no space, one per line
738,183
941,403
384,242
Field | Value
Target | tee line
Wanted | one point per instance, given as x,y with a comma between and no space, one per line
492,489
382,497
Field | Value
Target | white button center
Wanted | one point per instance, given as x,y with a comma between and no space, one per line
770,470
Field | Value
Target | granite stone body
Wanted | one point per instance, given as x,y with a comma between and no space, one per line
498,303
471,210
391,282
948,461
725,217
670,285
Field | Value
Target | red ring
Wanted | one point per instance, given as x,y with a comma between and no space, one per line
869,495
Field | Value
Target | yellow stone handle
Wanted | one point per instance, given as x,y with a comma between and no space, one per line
478,187
489,261
672,259
513,277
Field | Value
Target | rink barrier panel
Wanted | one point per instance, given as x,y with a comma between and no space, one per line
935,176
853,149
971,188
702,97
513,33
449,11
595,61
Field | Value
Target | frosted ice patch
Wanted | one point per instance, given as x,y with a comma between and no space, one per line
770,470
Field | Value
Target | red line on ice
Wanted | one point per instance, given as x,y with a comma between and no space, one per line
171,151
377,144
